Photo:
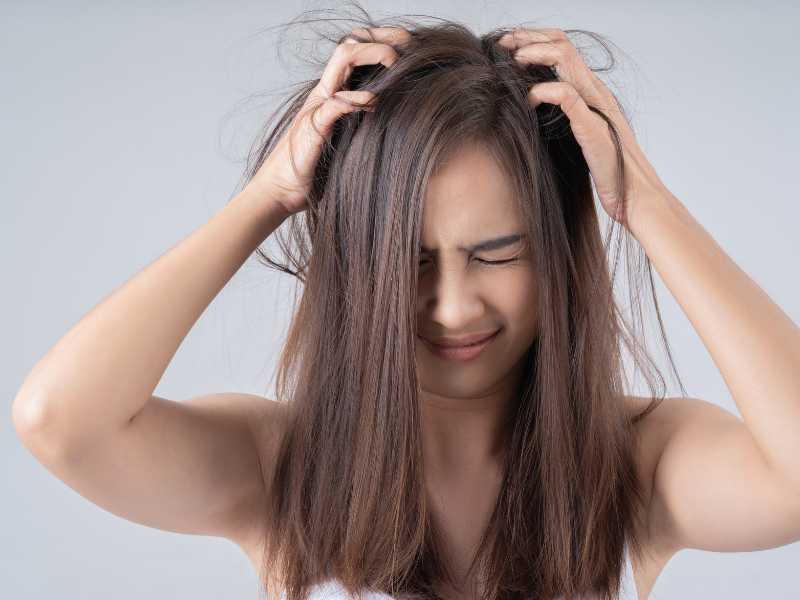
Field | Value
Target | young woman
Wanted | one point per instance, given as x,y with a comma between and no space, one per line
451,419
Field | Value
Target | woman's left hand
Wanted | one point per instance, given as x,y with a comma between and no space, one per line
578,87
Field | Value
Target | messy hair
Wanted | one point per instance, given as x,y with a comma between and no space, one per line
347,486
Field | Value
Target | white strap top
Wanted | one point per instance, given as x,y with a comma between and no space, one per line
332,589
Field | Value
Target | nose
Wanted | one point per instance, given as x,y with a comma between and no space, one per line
451,298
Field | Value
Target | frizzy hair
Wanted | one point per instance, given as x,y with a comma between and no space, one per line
348,498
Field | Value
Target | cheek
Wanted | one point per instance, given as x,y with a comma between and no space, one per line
515,296
514,293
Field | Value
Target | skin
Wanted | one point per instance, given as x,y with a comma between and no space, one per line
464,404
716,482
719,482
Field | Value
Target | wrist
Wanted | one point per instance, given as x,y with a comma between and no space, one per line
654,206
265,197
263,207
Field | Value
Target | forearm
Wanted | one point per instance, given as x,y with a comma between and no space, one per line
104,369
753,343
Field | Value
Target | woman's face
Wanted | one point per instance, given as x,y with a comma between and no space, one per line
467,202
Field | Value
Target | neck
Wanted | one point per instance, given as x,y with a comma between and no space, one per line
466,435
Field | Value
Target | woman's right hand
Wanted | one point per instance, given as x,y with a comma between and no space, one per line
289,168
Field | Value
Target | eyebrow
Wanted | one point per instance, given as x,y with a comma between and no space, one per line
485,245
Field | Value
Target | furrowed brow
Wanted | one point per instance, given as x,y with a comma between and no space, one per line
484,246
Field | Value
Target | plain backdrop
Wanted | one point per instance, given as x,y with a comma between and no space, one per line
123,128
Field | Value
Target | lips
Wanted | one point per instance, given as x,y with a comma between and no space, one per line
457,342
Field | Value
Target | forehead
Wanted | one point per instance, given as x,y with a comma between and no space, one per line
469,193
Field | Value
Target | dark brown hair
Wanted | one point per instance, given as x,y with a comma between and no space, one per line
348,498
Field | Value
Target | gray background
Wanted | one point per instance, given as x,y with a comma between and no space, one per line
122,131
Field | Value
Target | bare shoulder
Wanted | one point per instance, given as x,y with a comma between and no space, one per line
693,488
659,424
267,426
653,430
650,434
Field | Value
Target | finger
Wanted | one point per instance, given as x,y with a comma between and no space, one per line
360,99
568,65
344,58
521,37
589,129
563,94
353,52
323,115
552,47
385,35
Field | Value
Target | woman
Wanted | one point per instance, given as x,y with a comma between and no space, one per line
438,189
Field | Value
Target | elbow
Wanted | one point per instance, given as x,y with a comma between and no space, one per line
27,414
31,424
30,415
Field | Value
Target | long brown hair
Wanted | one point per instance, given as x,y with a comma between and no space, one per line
348,498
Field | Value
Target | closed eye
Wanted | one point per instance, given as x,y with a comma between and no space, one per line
486,262
497,262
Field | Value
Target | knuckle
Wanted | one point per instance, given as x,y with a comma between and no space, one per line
361,31
401,34
391,52
572,96
323,92
343,50
387,34
566,48
356,35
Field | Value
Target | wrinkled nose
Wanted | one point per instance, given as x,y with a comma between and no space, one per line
451,299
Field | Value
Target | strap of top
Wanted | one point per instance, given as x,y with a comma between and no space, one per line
332,589
628,583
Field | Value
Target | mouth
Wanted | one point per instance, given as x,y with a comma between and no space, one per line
460,353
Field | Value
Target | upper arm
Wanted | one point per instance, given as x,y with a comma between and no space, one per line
192,466
712,488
